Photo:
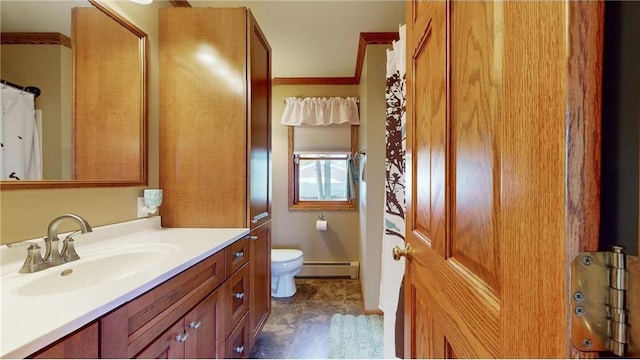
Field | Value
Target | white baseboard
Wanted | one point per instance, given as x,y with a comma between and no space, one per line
330,269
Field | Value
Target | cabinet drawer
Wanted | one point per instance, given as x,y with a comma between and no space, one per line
236,297
237,344
152,303
236,255
130,328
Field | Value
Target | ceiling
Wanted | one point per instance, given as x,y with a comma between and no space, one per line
317,38
308,38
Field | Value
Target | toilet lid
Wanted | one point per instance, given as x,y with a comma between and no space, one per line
282,255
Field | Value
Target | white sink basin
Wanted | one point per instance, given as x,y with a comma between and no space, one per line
97,268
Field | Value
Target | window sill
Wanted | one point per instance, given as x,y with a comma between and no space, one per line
315,205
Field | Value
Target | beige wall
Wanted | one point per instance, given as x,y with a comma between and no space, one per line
296,229
372,167
25,214
47,67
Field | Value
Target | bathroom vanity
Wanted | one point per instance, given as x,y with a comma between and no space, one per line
189,297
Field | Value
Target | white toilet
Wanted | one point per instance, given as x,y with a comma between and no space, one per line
285,264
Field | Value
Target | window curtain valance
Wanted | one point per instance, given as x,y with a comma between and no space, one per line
315,111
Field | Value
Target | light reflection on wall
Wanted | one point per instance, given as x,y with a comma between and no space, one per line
211,59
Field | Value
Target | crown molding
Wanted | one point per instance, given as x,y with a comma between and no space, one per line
34,38
180,3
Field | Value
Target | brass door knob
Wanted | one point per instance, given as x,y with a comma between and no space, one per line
398,252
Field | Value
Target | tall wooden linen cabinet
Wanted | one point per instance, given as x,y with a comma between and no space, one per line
215,133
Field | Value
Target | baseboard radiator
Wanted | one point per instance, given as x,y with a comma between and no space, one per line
343,269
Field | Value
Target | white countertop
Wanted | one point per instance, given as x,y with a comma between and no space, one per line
30,321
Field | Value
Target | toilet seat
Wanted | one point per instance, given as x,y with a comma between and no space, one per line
285,255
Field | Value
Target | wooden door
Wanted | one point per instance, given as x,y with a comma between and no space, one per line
260,279
260,125
502,172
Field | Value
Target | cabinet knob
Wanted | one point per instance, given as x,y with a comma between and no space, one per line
253,237
195,324
238,254
238,295
239,349
182,337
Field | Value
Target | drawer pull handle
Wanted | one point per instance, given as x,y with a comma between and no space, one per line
239,349
182,337
238,295
195,325
253,237
258,217
238,254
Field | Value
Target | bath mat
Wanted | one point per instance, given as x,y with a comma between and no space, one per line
355,337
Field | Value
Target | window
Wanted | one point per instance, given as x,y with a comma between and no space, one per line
320,169
322,177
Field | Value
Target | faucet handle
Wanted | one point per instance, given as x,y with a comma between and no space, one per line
34,261
68,252
21,244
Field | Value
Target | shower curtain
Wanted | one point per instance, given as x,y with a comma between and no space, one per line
20,157
394,199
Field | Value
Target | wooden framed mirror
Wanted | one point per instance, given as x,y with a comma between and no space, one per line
105,116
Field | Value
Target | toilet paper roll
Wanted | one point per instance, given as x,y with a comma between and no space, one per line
321,225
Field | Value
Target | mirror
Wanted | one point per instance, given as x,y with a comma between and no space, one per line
93,97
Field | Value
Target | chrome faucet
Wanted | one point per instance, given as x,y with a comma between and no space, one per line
53,256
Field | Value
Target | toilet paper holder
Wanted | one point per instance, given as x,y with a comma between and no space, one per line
321,217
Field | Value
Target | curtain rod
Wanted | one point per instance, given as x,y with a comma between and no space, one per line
357,100
32,89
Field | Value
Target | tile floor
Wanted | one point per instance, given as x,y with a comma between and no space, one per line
298,327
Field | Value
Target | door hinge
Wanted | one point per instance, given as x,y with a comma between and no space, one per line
605,313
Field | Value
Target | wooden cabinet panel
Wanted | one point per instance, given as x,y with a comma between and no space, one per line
82,344
205,326
203,117
260,129
260,269
167,346
237,344
215,118
236,297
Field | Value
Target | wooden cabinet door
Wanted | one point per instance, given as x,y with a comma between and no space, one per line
260,269
168,345
205,326
259,53
203,117
502,171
